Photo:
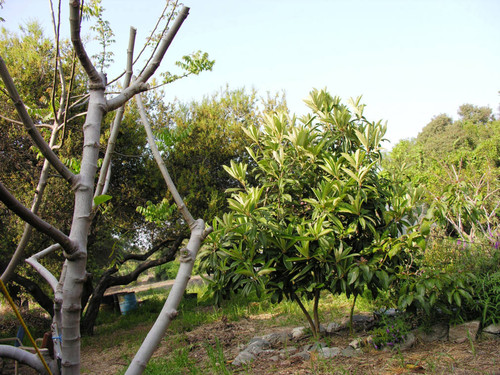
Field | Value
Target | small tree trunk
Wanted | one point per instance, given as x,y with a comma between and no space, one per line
315,332
76,263
169,311
352,313
316,311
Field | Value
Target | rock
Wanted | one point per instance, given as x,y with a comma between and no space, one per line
329,352
274,358
257,345
493,328
333,327
391,313
243,358
350,352
463,332
360,342
492,332
314,347
276,339
438,332
288,351
359,322
408,341
355,343
301,355
298,332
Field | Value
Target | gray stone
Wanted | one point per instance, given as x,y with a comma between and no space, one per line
333,327
298,332
329,352
408,341
288,351
463,332
438,332
314,347
268,351
275,358
257,345
359,322
301,355
493,328
391,312
350,352
355,343
492,332
243,358
277,338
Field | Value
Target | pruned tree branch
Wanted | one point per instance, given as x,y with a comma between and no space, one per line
169,310
161,165
36,292
167,4
140,83
30,126
74,19
24,357
36,222
107,280
44,272
105,173
165,29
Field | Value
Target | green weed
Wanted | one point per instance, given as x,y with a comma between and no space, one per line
217,359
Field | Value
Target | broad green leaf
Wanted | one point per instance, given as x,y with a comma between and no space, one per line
353,275
100,199
265,271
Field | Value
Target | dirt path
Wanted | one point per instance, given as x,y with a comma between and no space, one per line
142,286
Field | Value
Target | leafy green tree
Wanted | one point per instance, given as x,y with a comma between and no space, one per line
312,211
457,164
215,127
475,114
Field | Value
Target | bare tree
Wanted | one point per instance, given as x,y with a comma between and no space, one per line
68,288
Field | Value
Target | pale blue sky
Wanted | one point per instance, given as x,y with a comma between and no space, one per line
410,59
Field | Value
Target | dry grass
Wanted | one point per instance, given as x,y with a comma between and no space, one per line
437,358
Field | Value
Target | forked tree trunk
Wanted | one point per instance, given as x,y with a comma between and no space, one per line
77,263
68,290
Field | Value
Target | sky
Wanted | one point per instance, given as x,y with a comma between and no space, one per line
410,59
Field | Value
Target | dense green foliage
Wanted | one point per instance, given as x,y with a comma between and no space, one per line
313,212
457,163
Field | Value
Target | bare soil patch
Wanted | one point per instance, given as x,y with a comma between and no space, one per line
481,357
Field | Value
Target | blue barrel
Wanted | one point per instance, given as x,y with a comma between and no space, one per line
127,302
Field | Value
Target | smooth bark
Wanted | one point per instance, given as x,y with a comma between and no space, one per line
161,165
24,357
187,258
169,310
76,263
105,173
140,84
68,290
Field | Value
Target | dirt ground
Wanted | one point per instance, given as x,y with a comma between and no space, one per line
115,352
481,357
